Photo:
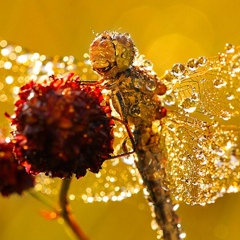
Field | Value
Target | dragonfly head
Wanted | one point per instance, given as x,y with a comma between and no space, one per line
111,53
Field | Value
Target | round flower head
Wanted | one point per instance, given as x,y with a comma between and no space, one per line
62,127
13,177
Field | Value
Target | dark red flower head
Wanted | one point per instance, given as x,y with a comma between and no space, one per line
62,127
13,177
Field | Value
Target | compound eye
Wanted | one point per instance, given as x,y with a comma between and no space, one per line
125,51
102,67
102,55
111,53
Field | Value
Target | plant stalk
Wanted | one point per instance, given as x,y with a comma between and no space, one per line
65,212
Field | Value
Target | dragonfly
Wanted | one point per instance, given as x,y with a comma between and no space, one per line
185,124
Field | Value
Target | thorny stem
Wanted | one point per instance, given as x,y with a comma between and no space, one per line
66,213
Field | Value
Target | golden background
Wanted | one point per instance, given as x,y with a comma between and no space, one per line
166,32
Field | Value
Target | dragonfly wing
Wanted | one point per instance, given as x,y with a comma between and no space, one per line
203,160
19,65
202,129
207,86
114,182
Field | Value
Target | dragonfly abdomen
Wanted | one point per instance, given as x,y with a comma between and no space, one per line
151,165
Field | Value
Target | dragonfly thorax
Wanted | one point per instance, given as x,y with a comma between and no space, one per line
134,85
135,96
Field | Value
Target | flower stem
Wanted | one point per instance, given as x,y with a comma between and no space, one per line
66,213
44,201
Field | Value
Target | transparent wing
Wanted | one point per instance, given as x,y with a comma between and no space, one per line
201,134
115,182
203,159
18,66
207,86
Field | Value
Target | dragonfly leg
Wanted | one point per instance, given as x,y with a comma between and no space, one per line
130,135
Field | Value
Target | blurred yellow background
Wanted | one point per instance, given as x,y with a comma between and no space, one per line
166,32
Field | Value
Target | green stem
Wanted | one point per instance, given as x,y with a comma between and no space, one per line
66,213
42,200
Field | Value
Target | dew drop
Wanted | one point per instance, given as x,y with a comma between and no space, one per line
200,155
178,69
148,64
146,99
127,35
201,61
222,58
128,159
169,100
182,156
219,82
220,152
191,64
138,83
230,48
234,162
236,67
151,85
134,110
124,55
168,77
225,115
175,207
188,105
182,235
195,97
154,225
159,234
229,96
214,124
